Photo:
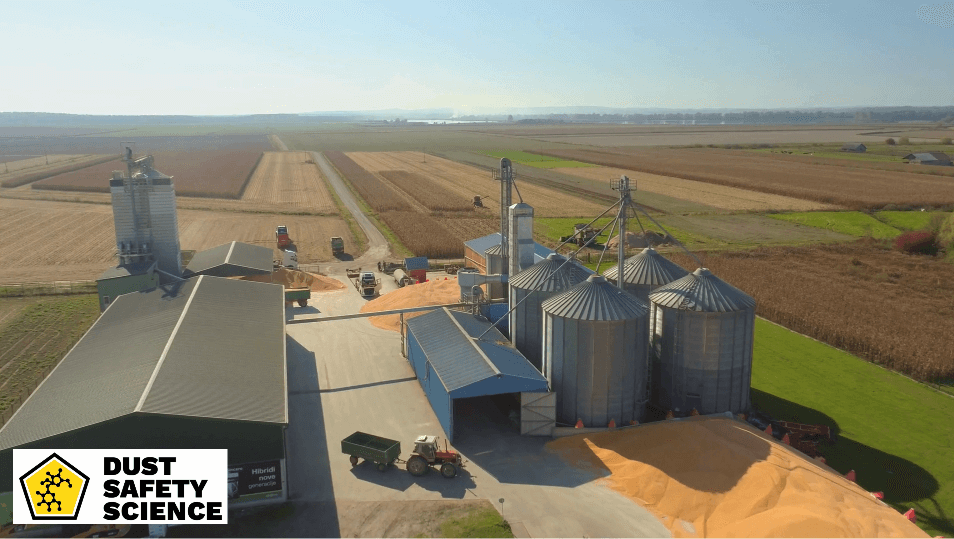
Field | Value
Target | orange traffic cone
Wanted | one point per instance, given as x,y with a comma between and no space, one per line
693,412
911,516
768,430
786,440
879,495
612,424
579,424
851,476
670,415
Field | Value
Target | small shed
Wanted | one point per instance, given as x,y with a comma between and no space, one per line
856,147
234,259
124,279
929,158
475,251
416,268
452,361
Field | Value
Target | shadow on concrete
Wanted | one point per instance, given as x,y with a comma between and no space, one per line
486,435
299,311
370,384
397,478
904,483
344,257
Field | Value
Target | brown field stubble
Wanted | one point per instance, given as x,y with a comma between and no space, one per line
23,176
468,181
855,188
719,196
426,191
211,173
892,309
289,180
380,197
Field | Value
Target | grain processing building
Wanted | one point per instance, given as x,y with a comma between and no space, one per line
196,364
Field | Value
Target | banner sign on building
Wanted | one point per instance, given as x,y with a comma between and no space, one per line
120,486
258,481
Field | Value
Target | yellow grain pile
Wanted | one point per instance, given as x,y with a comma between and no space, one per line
722,478
298,279
416,295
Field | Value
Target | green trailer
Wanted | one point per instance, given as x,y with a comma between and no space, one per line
382,451
301,295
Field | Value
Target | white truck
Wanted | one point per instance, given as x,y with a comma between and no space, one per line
289,260
367,284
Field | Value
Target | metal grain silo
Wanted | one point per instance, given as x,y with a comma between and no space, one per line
595,353
496,265
540,282
702,331
646,272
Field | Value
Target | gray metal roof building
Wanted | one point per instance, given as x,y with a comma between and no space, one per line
480,246
928,158
451,363
128,270
233,259
197,364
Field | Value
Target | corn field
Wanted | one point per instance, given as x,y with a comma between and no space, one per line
380,197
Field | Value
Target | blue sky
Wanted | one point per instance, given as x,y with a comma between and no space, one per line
475,57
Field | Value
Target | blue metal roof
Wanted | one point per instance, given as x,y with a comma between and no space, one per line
448,341
480,245
416,263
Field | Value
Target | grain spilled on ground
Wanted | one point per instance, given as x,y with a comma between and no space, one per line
722,478
416,295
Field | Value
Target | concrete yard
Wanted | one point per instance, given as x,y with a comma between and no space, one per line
347,375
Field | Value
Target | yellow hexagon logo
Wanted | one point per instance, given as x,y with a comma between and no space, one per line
54,489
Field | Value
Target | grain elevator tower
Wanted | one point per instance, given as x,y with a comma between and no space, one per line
144,213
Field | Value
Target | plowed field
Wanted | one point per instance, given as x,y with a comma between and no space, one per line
67,241
719,196
466,181
289,180
212,173
859,188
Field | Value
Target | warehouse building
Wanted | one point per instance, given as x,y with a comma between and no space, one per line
452,361
475,251
126,278
195,364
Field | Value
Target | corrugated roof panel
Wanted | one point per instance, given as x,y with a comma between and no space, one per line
596,299
125,270
480,245
494,250
553,274
105,374
416,263
702,291
227,359
510,362
232,259
450,351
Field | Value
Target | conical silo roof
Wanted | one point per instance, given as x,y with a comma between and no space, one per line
596,299
543,275
494,250
647,268
702,291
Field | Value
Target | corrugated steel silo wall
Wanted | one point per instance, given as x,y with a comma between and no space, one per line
702,360
495,266
597,369
165,228
441,402
526,331
641,291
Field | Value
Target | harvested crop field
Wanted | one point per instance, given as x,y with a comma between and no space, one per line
687,136
845,186
22,176
416,295
68,241
710,477
719,196
212,173
142,144
468,181
289,180
17,163
889,308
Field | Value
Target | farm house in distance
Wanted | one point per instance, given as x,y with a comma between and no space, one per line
856,147
929,158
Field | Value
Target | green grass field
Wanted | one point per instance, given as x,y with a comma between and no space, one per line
895,433
539,161
485,522
853,223
909,220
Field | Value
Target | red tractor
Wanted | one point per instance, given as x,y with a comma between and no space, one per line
426,454
281,236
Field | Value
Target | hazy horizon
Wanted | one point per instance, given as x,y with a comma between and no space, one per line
243,58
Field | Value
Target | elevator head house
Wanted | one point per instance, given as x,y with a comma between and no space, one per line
451,362
198,364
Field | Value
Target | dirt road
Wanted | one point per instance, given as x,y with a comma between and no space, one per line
378,248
